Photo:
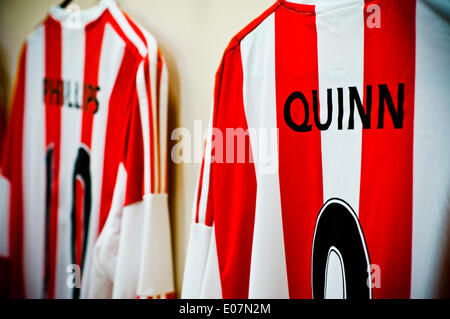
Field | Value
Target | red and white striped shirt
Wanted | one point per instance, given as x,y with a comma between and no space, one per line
2,125
84,116
357,205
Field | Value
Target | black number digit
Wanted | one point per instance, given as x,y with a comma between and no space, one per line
48,197
338,228
81,171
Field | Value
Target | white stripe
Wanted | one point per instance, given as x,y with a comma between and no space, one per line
125,26
152,48
73,53
211,287
144,109
326,5
146,51
34,167
204,191
339,32
258,63
5,191
156,248
196,260
99,281
110,62
431,182
129,251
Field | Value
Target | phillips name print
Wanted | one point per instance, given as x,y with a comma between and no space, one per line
67,93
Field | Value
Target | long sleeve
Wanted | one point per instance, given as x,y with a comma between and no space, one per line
156,267
133,254
11,205
219,250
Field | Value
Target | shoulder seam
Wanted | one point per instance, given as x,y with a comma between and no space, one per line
236,40
131,35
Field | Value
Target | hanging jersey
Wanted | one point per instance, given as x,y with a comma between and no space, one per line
80,118
343,188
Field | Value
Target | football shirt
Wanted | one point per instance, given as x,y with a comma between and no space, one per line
350,197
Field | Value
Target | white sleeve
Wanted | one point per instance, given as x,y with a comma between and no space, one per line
4,216
156,267
129,252
156,270
4,235
200,233
196,259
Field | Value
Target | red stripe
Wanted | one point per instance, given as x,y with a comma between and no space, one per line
170,295
154,169
93,47
53,65
108,18
234,214
116,126
12,170
232,188
135,27
119,108
385,209
134,156
79,208
2,126
300,162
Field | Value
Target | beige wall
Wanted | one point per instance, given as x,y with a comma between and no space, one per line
192,35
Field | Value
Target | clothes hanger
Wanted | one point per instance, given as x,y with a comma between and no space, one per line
65,3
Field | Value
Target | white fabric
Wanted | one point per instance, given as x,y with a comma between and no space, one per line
101,278
156,270
199,242
431,182
258,64
34,170
211,287
341,150
4,216
129,252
